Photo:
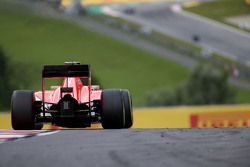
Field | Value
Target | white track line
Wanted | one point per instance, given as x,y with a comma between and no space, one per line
10,135
47,133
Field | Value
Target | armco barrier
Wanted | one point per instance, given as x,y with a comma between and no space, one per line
231,116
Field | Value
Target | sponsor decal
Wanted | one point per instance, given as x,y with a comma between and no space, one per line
237,119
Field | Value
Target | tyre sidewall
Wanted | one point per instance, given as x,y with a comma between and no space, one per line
128,108
22,110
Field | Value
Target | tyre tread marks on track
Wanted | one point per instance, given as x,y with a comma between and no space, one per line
10,135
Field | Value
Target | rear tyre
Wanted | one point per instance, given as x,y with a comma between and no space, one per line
22,110
38,126
113,114
128,108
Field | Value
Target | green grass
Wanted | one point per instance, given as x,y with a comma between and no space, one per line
224,59
243,96
35,41
221,9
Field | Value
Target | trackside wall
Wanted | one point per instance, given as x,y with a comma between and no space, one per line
225,116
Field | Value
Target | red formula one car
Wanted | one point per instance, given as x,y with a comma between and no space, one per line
73,104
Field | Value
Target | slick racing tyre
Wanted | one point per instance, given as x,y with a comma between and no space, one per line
38,126
113,112
22,110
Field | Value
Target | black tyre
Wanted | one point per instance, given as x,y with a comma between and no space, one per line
128,108
113,115
22,110
38,126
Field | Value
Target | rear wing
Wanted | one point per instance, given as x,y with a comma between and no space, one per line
53,71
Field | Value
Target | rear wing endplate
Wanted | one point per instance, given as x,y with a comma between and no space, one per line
53,71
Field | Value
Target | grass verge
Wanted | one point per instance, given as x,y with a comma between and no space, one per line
221,9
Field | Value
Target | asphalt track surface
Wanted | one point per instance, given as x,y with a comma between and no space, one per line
131,148
183,25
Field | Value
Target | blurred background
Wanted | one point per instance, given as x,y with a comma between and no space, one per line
186,62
